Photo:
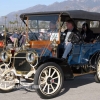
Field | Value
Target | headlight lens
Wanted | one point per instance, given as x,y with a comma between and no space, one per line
31,57
4,56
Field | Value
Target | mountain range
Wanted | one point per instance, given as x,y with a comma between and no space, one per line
87,5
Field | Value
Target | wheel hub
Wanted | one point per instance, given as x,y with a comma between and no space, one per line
49,80
9,76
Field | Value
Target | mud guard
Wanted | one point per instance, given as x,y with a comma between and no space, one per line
68,73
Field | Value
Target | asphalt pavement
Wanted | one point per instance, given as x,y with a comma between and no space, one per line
81,88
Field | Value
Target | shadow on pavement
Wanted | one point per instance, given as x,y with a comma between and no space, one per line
77,82
68,84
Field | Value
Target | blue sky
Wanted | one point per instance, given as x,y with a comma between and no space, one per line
7,6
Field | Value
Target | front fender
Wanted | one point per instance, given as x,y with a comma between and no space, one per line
64,66
56,60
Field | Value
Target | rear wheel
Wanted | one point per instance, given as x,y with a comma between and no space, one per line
48,80
97,75
96,79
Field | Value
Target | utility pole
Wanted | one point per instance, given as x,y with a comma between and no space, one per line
5,18
17,21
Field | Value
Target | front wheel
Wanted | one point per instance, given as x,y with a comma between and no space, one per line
7,81
97,75
48,80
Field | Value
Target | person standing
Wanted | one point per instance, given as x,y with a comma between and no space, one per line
14,38
22,39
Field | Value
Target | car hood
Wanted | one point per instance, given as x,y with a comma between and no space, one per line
42,51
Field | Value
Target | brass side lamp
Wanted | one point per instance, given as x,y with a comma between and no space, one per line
54,46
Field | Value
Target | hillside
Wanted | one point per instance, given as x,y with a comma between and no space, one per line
88,5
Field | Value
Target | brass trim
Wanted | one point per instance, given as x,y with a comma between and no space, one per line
22,72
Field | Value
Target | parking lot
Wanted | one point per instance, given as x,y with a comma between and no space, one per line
81,88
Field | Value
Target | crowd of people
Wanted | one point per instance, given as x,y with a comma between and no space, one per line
16,38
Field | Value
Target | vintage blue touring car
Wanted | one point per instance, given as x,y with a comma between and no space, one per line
39,59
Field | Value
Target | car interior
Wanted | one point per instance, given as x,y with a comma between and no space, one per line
94,26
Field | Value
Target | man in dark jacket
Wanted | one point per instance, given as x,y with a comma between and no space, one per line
68,45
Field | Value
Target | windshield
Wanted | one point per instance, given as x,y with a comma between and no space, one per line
44,27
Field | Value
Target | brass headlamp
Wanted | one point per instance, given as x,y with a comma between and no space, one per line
31,57
5,56
54,45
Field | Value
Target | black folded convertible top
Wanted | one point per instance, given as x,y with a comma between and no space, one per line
75,14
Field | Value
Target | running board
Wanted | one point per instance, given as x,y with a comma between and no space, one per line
91,72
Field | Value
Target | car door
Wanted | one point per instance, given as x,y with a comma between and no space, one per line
74,57
80,53
86,50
